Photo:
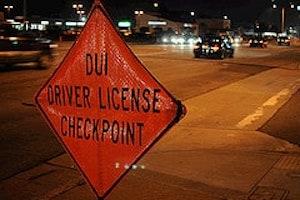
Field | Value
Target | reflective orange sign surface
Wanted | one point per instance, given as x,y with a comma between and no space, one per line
104,106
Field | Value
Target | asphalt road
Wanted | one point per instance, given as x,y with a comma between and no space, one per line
26,140
285,124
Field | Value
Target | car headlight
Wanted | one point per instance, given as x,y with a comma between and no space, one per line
180,40
196,46
165,40
191,41
261,41
250,41
174,40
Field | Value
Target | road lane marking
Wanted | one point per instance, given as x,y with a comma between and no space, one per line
274,100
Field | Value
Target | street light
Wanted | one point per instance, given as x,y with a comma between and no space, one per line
292,5
77,6
155,5
192,13
283,5
138,12
80,13
78,10
225,17
8,8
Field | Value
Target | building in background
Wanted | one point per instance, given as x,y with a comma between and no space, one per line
155,22
213,25
178,22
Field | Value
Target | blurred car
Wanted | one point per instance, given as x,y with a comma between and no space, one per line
191,40
237,40
178,39
283,40
70,35
213,46
257,42
141,38
16,48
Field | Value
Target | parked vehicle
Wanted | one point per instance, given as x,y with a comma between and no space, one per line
283,40
213,46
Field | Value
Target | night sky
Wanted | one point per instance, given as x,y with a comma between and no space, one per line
237,10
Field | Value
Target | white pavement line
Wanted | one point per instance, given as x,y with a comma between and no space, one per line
274,100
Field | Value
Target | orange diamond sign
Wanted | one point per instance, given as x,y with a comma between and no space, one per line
104,106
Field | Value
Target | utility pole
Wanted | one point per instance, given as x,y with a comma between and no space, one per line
282,19
24,9
25,14
283,5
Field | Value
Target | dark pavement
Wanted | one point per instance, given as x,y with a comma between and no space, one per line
285,124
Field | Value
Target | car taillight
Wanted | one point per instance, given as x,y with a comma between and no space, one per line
215,48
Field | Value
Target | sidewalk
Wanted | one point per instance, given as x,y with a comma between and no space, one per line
214,153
